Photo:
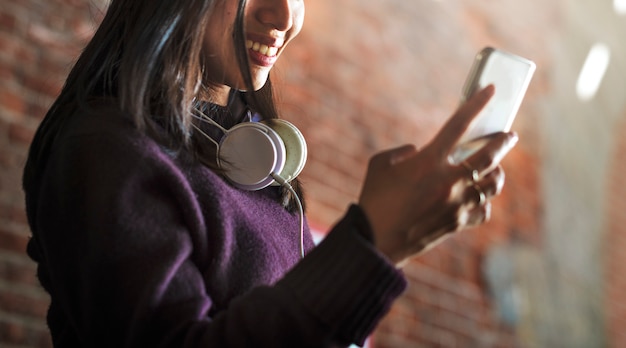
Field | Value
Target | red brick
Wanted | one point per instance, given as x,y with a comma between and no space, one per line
12,101
7,21
19,273
12,333
12,213
15,334
12,242
42,84
23,305
21,134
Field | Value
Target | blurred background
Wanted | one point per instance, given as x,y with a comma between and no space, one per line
548,270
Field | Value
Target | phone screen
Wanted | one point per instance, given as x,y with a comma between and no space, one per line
511,75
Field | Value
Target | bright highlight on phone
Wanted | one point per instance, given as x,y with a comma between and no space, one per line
511,75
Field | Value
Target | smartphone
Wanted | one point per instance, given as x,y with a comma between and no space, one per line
511,75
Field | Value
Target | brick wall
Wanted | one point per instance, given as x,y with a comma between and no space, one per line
38,41
363,76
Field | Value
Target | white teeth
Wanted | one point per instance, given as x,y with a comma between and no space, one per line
263,49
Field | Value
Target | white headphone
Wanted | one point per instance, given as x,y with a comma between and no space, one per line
255,155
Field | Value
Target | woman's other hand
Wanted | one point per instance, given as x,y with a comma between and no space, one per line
413,198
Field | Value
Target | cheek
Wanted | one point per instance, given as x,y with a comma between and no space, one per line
298,19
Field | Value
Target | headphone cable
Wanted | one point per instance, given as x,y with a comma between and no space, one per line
285,184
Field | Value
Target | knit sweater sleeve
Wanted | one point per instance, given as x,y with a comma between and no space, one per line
345,282
335,296
122,251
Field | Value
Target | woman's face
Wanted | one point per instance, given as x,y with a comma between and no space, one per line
269,26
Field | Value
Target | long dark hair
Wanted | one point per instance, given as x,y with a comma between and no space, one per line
147,55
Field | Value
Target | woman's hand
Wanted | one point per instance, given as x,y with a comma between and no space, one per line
414,198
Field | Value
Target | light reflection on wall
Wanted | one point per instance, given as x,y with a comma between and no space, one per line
619,6
593,71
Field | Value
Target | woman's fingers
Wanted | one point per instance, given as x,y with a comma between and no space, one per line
493,182
481,191
454,128
479,214
493,152
488,158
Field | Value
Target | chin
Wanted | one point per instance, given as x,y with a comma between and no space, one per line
259,81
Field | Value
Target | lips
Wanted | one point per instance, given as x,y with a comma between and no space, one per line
262,54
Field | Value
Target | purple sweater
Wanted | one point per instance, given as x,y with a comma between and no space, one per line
141,248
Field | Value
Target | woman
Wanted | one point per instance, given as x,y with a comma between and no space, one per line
143,236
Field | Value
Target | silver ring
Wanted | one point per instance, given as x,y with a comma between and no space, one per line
482,198
473,172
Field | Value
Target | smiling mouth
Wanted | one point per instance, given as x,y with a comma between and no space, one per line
262,48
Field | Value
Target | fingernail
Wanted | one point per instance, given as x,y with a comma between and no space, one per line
514,139
489,89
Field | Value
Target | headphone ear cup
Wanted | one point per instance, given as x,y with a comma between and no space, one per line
295,147
249,153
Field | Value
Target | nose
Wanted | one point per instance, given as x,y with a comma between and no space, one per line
277,14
